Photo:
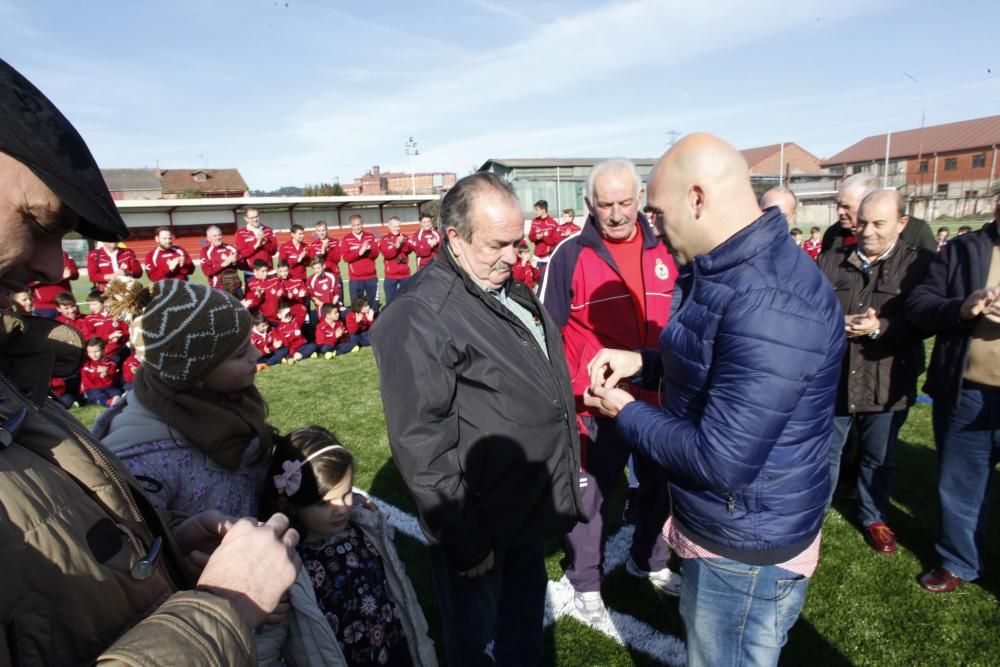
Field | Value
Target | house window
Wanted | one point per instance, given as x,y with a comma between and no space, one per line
979,161
923,166
857,169
942,189
951,164
971,194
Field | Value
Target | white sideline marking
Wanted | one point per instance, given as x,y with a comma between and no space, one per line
623,628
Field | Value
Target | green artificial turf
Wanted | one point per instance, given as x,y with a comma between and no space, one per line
862,608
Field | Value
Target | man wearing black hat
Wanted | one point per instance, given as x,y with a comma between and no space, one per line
91,571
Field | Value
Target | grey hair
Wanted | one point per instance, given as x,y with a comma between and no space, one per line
614,164
457,205
868,183
898,196
211,227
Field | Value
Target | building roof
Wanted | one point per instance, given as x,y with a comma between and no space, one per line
271,203
120,180
205,181
557,162
963,135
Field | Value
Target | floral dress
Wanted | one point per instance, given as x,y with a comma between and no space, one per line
348,576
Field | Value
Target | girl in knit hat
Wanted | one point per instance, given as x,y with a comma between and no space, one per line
194,429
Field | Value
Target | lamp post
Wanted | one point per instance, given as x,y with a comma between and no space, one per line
412,151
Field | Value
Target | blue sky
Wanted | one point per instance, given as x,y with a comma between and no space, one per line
310,91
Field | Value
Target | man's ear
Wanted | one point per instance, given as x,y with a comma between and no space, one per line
903,221
453,238
696,200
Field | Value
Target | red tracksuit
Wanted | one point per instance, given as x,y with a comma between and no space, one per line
397,259
212,257
332,334
246,240
297,258
103,325
80,324
101,374
289,334
264,342
542,233
357,324
812,248
331,258
423,248
156,263
295,290
360,266
100,264
269,304
255,293
129,367
45,294
526,273
323,288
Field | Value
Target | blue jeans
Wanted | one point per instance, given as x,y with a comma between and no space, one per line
340,348
878,432
102,396
506,606
273,358
968,443
305,350
738,614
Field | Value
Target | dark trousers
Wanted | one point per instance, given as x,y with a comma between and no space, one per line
305,350
605,453
102,396
369,288
340,348
391,287
274,358
506,606
968,444
878,433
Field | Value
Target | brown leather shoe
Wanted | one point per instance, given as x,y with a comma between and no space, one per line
881,538
939,580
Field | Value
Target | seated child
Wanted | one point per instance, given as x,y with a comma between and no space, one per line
64,392
129,367
99,376
69,313
22,303
526,268
332,336
289,334
352,603
257,287
112,330
263,340
360,319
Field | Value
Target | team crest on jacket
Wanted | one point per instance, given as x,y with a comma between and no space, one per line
661,270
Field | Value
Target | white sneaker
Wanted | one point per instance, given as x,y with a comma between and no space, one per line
668,581
590,606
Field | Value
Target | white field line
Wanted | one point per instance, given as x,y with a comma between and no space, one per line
623,628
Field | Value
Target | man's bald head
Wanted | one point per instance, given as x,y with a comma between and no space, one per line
849,196
700,195
784,199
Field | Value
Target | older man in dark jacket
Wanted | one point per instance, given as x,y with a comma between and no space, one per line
885,354
959,300
749,364
482,426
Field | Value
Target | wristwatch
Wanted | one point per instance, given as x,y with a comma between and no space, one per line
875,334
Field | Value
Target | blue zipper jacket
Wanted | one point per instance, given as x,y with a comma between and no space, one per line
749,365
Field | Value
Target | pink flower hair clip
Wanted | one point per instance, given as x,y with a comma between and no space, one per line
290,479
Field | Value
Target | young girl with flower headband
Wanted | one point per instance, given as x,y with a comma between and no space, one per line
352,603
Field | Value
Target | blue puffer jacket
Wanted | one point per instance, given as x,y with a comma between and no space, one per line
750,363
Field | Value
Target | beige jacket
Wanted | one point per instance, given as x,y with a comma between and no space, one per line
73,524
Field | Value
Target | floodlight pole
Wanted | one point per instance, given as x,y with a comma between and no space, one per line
412,151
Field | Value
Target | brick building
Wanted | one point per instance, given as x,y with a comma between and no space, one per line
377,182
202,183
948,169
766,161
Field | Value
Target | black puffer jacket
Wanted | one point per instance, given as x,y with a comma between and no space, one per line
481,425
879,374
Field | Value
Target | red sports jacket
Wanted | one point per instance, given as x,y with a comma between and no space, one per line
297,258
45,294
397,259
360,266
100,264
212,257
156,263
245,241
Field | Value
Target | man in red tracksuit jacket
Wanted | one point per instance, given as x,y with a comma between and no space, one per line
295,253
426,242
611,286
544,232
327,247
45,294
254,242
108,261
217,257
167,260
396,249
360,248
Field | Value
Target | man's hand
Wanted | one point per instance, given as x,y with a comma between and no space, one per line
863,324
480,569
609,367
433,242
253,567
200,534
979,303
230,259
608,400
